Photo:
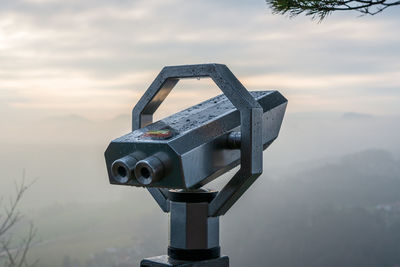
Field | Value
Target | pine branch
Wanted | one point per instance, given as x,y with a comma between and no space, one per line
321,9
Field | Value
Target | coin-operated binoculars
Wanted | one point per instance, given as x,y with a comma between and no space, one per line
176,156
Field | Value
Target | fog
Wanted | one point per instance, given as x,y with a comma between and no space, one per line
71,72
322,164
67,159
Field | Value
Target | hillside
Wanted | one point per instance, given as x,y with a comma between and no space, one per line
325,216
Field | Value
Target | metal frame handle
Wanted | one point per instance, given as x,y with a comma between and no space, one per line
251,127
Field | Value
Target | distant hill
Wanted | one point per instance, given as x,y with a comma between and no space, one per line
356,116
326,216
361,179
71,118
322,216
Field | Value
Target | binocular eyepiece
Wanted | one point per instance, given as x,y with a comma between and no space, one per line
177,155
145,170
173,153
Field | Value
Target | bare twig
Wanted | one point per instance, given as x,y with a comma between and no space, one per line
16,256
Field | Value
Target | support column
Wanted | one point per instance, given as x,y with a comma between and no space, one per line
193,235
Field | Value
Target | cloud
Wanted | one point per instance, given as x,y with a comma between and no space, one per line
97,57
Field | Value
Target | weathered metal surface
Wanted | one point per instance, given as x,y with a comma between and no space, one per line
190,226
192,147
165,261
160,196
199,149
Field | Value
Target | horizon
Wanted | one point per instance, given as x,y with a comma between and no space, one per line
72,71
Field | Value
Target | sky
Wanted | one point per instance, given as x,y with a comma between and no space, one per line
71,71
94,59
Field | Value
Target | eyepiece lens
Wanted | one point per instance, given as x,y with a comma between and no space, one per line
145,172
121,171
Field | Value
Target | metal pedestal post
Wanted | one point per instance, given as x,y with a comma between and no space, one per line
193,235
166,261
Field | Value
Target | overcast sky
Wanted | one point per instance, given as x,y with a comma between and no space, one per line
94,58
67,67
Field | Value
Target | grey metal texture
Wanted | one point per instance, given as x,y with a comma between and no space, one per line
165,261
160,196
200,148
202,145
191,228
